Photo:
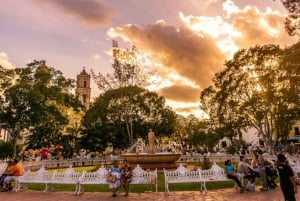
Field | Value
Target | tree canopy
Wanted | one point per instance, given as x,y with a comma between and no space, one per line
292,21
34,103
258,88
116,112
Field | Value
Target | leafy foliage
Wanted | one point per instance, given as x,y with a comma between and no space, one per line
259,88
36,103
105,121
6,149
292,22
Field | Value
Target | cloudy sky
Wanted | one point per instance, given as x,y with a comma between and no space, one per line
184,41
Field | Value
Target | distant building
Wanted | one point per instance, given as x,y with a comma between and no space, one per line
83,88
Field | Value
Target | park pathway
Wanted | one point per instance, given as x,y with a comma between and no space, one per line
213,195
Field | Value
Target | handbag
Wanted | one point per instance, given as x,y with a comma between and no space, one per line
111,178
250,187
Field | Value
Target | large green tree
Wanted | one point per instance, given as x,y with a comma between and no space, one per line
106,120
255,90
36,103
127,73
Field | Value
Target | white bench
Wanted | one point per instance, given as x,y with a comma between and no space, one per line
41,176
97,177
215,173
69,176
139,176
184,175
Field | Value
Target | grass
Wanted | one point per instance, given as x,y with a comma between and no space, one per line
136,188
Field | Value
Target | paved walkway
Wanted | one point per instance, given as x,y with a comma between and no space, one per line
219,195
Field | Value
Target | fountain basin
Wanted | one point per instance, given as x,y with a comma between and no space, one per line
151,161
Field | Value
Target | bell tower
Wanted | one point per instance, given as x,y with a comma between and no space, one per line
83,89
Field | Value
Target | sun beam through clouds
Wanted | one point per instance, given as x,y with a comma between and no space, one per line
185,43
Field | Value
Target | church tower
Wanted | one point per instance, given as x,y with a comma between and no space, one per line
83,89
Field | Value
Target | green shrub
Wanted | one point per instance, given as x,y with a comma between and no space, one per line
6,149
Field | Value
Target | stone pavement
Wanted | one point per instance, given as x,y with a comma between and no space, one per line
213,195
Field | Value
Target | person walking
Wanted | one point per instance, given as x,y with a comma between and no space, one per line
287,178
262,170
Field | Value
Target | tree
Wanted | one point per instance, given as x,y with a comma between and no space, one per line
253,91
36,104
126,70
112,110
126,74
292,22
6,150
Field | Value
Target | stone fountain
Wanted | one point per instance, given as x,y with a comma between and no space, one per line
148,156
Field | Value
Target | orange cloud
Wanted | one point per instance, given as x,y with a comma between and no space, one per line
178,50
196,51
181,93
260,28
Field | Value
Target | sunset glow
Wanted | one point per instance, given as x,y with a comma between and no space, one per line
183,42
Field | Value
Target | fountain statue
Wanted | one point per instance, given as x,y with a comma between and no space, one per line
148,156
151,138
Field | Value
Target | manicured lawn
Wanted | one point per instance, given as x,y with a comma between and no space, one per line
138,188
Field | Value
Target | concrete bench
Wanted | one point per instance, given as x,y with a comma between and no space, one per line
69,176
184,175
139,176
214,174
41,177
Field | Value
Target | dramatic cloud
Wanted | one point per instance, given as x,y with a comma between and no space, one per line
189,56
186,60
180,93
4,61
179,51
90,12
261,28
241,28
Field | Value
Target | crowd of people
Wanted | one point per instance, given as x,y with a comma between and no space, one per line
247,168
267,171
